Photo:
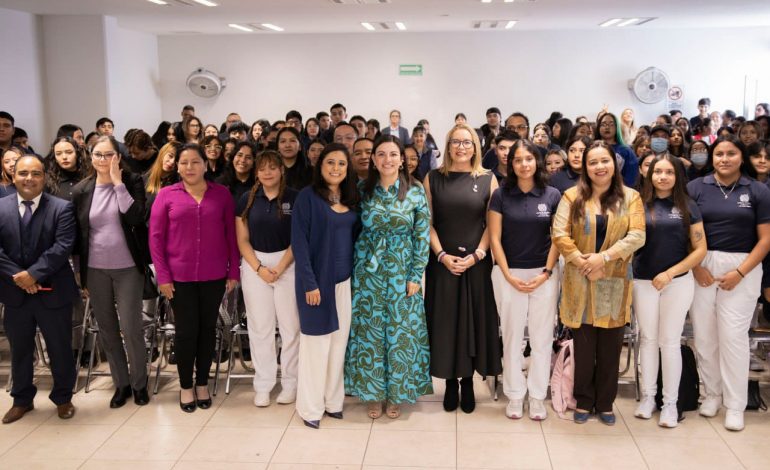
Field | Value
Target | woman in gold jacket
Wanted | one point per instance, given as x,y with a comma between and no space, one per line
598,225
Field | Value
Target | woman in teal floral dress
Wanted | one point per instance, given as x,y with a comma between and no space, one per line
388,357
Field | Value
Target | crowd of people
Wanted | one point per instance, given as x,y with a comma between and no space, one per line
385,259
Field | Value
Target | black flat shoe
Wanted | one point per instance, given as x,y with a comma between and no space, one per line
120,397
204,404
186,407
451,395
467,397
141,397
314,424
334,414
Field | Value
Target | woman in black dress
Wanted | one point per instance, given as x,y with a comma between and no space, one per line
459,302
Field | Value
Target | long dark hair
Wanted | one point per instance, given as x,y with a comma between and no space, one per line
618,132
541,177
348,189
682,150
565,128
55,173
611,199
678,192
229,178
264,158
405,181
746,167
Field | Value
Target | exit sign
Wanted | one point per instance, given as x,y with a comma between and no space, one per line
410,69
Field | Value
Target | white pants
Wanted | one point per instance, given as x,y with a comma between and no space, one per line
518,310
661,317
264,304
721,321
321,363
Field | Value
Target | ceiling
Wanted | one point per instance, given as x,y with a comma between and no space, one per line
327,16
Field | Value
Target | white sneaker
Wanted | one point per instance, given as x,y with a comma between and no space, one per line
537,410
262,399
734,420
710,406
515,409
286,397
669,417
645,408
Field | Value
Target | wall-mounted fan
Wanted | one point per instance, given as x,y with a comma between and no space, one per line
205,83
650,85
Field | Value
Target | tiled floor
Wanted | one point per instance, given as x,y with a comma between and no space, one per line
234,434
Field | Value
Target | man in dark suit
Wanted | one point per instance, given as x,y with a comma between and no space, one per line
37,286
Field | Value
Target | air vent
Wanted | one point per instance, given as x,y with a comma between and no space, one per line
493,24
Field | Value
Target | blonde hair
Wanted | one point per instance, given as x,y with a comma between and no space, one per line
476,168
155,174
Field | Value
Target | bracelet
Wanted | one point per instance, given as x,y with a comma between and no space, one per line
259,267
739,272
475,258
549,272
440,255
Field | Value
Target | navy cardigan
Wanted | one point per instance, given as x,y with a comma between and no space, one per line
312,243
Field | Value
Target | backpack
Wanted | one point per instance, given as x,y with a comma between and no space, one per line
563,380
689,384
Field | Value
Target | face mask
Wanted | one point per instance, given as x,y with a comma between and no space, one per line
658,144
699,158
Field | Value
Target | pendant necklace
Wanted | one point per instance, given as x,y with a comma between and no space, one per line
721,188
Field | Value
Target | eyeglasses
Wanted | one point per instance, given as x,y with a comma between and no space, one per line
464,143
607,125
518,128
103,156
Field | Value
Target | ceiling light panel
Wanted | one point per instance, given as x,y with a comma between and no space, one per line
206,3
240,27
493,24
622,22
158,2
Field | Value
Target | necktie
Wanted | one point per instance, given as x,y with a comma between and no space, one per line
27,217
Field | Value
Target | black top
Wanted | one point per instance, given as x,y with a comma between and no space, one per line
564,179
299,175
601,231
668,240
139,166
269,232
66,185
731,215
237,187
526,231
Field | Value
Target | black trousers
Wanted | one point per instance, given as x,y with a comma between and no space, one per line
597,359
196,307
21,325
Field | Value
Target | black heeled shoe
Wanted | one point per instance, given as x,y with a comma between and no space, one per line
451,395
141,397
120,397
467,397
203,404
186,407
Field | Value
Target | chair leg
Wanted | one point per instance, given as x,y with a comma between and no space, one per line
161,353
82,344
91,360
636,369
230,363
220,340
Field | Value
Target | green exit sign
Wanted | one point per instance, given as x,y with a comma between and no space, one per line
410,69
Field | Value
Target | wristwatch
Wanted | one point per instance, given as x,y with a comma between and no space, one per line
549,272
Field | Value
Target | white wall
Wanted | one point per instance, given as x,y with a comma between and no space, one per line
533,72
133,91
21,80
76,77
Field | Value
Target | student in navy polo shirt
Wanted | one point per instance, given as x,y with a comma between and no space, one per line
526,288
736,217
263,228
663,284
323,231
567,177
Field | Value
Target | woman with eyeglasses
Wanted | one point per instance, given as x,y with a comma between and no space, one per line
388,358
736,218
195,253
598,225
113,250
459,302
608,130
215,161
568,176
192,128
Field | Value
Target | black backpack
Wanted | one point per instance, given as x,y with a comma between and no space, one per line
689,384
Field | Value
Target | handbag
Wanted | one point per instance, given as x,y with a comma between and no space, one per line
150,290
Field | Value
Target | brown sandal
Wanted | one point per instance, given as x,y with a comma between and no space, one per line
393,410
374,409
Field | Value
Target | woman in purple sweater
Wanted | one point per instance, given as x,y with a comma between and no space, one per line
194,249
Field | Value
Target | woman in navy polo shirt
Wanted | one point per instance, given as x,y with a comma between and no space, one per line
567,177
263,228
663,285
323,229
736,217
526,288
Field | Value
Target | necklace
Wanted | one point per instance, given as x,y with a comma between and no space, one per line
721,188
334,198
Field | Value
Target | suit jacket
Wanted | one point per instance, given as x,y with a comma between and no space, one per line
43,250
133,221
403,134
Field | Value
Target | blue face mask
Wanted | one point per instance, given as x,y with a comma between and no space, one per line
659,144
699,158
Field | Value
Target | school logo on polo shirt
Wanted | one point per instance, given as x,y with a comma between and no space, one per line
675,213
744,201
286,208
542,210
